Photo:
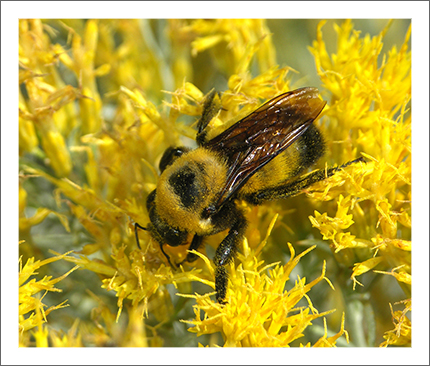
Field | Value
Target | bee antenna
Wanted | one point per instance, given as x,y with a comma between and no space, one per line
136,226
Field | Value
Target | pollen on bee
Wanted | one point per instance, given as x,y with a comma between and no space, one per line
205,224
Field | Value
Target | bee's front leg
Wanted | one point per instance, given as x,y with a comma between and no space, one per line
225,254
211,107
195,244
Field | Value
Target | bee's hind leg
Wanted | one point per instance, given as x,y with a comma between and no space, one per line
297,186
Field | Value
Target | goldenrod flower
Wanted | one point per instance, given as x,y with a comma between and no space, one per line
32,311
369,112
101,100
259,312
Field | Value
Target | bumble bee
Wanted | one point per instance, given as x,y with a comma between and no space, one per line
259,158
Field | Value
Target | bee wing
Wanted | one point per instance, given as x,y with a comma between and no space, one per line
255,140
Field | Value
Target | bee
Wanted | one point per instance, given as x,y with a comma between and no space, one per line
262,157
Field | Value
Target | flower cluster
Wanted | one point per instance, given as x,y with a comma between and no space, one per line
259,312
369,112
32,312
99,103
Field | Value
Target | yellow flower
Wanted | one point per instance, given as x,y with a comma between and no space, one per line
32,311
369,112
401,335
259,312
243,39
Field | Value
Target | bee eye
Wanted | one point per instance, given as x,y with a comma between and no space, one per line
170,155
184,186
150,200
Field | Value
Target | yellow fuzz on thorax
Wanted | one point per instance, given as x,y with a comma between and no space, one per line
210,181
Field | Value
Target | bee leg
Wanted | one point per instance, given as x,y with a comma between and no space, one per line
167,256
225,254
296,187
211,107
136,226
195,244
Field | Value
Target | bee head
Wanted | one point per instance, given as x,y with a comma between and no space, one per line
160,230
